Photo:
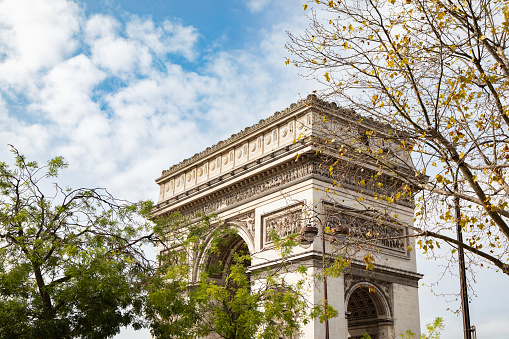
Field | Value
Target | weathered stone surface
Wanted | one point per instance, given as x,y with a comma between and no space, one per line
256,182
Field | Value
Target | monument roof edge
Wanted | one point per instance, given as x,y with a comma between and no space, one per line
311,101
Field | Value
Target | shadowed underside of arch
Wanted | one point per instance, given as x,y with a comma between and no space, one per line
217,263
367,315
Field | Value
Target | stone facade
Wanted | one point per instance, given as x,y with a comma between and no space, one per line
268,178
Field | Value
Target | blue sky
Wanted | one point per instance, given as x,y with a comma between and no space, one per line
125,89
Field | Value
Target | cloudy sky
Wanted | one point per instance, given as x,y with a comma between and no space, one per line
125,89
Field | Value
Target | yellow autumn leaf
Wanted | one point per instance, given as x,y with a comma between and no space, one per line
305,6
326,75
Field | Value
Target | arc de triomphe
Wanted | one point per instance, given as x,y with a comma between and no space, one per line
253,180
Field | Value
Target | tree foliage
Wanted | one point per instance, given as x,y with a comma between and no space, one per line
70,260
434,77
203,286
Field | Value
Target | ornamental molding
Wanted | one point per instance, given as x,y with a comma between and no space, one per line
266,183
245,221
258,185
311,101
384,302
382,273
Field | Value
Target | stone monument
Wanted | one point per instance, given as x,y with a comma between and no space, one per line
269,177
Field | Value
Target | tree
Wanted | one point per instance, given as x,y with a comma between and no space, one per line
433,76
71,264
203,286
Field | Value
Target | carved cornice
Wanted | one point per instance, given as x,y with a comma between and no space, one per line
233,175
383,273
260,183
311,101
271,180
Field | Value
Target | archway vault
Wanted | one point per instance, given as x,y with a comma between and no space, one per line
216,264
368,311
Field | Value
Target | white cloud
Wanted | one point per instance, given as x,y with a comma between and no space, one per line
123,105
181,39
66,94
111,98
35,36
257,5
28,137
169,37
113,53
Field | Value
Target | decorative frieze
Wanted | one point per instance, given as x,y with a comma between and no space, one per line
284,222
373,231
259,188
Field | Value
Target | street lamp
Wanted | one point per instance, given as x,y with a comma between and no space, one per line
308,234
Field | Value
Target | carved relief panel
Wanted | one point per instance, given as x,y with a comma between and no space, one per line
245,221
255,147
270,141
373,232
227,161
190,178
241,155
161,193
304,124
287,133
179,183
202,173
215,167
284,222
167,189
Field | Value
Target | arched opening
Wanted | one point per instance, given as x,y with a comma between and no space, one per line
366,314
219,262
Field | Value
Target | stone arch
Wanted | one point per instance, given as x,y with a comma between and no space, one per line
232,244
368,311
248,238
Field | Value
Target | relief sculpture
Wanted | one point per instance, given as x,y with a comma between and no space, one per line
387,236
283,223
259,188
246,221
